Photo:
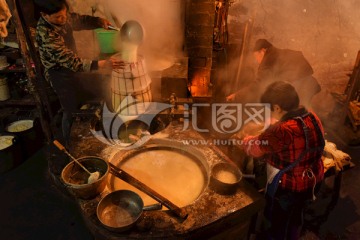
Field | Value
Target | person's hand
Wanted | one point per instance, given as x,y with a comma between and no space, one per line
105,23
230,98
249,129
117,64
104,64
111,63
252,129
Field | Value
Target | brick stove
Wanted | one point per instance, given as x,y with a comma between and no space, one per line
205,33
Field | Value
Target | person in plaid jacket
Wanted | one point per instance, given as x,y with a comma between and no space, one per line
296,138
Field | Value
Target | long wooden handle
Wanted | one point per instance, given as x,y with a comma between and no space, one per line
117,172
62,148
59,145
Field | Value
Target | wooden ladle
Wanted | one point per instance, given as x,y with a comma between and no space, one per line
93,177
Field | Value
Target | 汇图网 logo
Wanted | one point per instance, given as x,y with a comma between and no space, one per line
226,118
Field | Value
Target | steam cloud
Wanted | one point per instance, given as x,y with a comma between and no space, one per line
163,24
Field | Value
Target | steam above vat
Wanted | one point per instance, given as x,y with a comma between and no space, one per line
163,25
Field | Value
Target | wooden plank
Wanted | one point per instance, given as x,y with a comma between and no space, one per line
353,75
25,101
36,90
351,93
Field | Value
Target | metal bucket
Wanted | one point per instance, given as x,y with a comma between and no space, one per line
11,154
130,88
29,133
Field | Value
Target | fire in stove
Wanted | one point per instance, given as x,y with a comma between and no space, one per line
200,85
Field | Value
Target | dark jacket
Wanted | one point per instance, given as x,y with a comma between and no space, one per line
283,65
291,66
57,45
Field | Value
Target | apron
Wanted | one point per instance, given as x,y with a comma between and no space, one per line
273,182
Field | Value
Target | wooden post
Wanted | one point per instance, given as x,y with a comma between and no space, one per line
244,50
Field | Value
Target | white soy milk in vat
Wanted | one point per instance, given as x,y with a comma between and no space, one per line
177,177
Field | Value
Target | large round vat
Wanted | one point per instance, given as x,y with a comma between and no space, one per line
210,215
180,174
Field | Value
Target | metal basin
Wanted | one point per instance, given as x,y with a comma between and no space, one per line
75,178
178,172
225,178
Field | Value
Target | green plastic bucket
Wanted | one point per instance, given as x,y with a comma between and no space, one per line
106,40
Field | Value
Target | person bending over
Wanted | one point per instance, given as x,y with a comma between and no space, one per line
292,148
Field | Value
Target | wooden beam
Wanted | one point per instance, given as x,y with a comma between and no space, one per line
26,45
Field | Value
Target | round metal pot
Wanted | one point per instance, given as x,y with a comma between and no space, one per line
29,131
120,210
75,178
11,156
224,178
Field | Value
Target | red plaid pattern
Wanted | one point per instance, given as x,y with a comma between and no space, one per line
282,143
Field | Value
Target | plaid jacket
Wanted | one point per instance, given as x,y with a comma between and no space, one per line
282,143
57,45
